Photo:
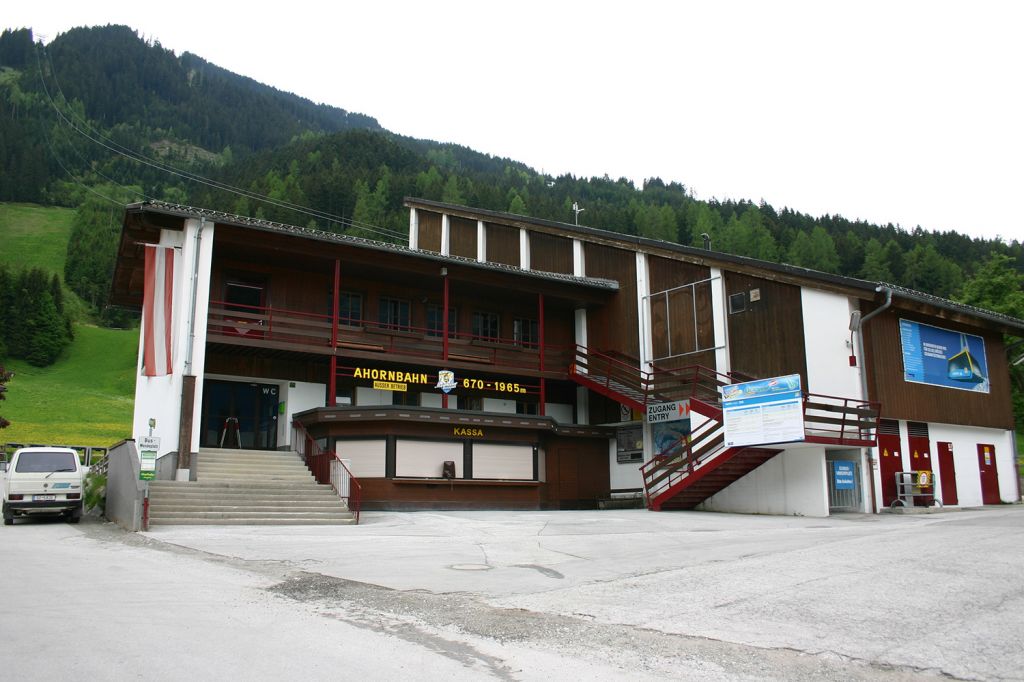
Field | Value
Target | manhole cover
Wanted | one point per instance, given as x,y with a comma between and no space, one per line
470,567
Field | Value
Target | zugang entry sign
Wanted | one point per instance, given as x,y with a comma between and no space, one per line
941,357
763,411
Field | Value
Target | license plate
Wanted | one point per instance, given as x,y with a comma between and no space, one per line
44,498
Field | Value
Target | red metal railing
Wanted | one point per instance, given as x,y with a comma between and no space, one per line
328,468
302,330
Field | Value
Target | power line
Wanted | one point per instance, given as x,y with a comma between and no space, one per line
86,130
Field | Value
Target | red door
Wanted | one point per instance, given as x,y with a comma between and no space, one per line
891,462
947,472
921,459
989,476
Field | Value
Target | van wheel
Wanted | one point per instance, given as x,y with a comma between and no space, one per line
75,515
8,520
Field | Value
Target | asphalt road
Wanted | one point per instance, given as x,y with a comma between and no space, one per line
521,596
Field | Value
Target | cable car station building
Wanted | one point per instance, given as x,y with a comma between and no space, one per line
500,361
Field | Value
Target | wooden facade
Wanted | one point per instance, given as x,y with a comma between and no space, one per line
337,313
767,334
920,402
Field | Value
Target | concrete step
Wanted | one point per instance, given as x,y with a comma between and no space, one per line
172,510
251,521
264,485
229,514
249,468
285,458
279,502
229,493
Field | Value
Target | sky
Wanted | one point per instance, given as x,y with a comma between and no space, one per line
901,112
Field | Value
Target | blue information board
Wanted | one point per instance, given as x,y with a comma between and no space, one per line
941,357
843,471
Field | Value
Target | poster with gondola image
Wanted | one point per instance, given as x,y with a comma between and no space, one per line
943,357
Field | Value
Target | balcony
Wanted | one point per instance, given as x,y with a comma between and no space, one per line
278,329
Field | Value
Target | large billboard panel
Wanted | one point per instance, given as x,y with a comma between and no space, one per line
763,411
942,357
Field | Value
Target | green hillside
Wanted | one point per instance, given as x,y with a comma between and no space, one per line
35,236
86,397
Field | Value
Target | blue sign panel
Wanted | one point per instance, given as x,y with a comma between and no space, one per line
842,470
940,357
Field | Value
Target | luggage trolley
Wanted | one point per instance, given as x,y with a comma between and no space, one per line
911,484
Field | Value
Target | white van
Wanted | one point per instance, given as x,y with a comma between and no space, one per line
44,481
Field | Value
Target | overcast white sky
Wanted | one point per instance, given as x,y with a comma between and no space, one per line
902,112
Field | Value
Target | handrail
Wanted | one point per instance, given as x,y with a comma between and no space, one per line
327,467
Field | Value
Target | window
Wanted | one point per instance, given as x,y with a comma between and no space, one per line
394,314
738,302
407,398
527,408
524,332
435,318
350,308
485,326
471,402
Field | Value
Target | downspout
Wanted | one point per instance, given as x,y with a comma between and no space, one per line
864,380
188,383
195,295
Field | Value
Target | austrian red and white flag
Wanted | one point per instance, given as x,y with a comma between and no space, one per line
157,307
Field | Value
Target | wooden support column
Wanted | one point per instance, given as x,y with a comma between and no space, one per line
332,381
540,339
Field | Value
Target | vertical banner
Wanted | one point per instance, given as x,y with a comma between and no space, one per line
157,308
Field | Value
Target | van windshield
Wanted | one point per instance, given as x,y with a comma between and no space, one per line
46,462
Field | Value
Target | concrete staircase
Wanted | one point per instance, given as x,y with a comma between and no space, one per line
247,487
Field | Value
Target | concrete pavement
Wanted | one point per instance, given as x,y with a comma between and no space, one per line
528,595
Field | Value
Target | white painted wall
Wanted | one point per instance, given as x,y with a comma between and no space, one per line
826,344
371,396
623,476
298,398
524,249
560,412
159,398
499,405
965,441
791,483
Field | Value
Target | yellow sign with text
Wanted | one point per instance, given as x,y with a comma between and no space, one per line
390,386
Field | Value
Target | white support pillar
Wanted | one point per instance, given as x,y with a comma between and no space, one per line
524,249
481,241
643,291
446,235
414,229
720,318
579,261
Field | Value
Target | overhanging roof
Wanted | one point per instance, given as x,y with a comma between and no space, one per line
154,215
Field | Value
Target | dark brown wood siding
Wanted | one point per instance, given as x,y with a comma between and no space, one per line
689,309
920,402
462,237
502,244
430,231
576,471
614,325
767,338
549,253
